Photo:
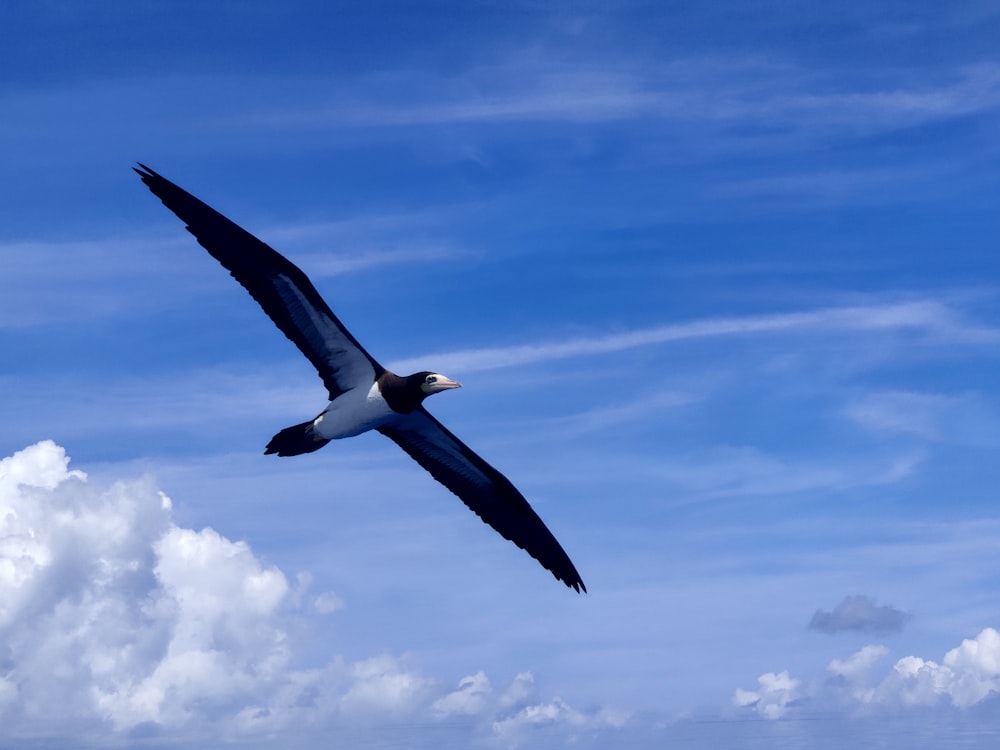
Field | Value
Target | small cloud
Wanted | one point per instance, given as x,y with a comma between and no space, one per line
856,666
521,690
859,613
382,687
469,699
327,603
539,715
772,697
850,675
518,716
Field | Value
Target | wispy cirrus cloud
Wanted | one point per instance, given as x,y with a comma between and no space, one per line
965,418
926,317
179,400
52,280
623,413
713,91
735,471
831,184
358,243
49,280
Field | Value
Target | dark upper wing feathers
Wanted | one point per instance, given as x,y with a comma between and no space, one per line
482,488
279,287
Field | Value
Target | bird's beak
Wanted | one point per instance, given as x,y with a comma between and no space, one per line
443,384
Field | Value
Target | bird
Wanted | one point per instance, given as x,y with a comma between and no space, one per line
363,395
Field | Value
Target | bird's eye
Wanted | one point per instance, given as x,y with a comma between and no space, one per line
431,379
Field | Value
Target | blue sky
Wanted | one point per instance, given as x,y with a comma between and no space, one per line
720,280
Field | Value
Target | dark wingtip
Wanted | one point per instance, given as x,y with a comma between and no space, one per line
145,172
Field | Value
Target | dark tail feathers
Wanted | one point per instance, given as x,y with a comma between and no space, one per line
296,440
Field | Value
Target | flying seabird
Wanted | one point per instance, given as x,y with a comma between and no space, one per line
363,394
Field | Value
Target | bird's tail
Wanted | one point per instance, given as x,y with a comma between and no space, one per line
295,440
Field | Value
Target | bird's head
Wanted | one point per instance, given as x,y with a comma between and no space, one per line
434,382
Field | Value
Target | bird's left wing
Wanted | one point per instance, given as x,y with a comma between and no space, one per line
280,288
485,490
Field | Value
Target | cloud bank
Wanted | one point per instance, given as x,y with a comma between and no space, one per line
117,623
968,675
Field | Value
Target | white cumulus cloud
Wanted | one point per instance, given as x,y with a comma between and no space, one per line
858,664
469,698
967,675
110,611
382,686
116,622
773,694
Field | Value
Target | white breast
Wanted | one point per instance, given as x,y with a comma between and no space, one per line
354,412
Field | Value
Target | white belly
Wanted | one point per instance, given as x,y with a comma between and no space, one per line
352,413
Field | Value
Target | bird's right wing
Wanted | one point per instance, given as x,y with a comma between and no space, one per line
482,488
280,288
